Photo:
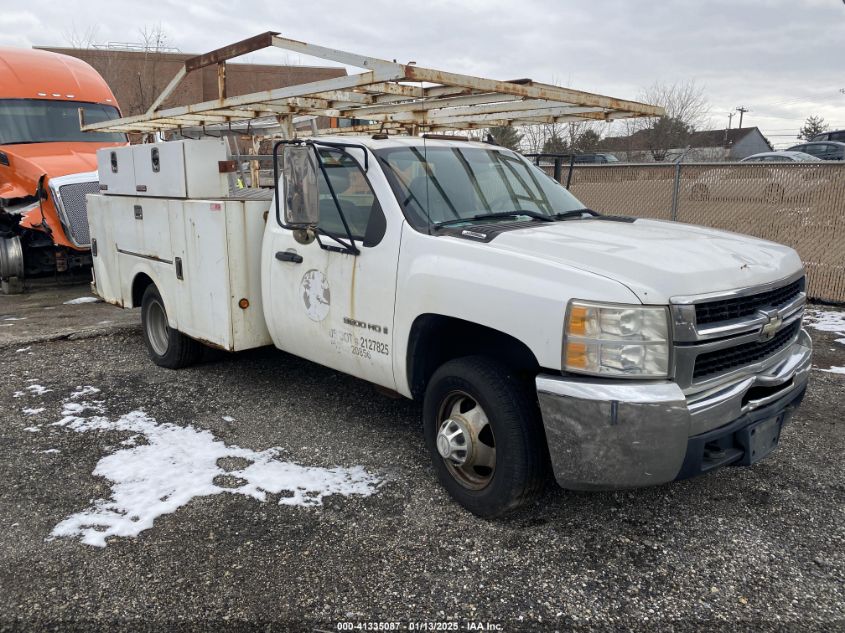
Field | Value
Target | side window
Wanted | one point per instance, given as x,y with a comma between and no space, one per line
356,199
836,136
813,150
826,151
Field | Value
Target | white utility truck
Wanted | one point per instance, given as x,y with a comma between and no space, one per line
537,334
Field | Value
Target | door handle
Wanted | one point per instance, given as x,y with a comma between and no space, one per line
289,256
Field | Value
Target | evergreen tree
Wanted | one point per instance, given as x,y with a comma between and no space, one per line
812,126
506,136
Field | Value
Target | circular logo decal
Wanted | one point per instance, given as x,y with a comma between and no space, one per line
316,295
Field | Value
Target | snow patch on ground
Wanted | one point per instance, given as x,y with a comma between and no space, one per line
34,390
22,350
33,429
228,418
79,300
86,390
162,467
51,450
14,318
826,321
834,370
31,411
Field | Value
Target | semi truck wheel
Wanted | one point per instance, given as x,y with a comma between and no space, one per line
167,347
485,436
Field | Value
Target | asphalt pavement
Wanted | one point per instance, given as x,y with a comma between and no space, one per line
139,498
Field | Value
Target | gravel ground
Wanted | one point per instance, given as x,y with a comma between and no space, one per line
757,548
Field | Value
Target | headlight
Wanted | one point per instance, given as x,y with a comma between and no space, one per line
616,340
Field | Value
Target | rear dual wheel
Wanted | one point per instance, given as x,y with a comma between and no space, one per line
167,347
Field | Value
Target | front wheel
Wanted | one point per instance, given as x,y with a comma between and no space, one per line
485,436
167,347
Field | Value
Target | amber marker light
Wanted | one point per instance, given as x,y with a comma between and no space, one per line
576,355
578,321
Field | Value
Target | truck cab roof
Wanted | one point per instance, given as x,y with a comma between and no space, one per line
35,74
383,141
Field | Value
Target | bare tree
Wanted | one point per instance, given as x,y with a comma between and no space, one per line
150,82
687,110
84,38
536,137
683,101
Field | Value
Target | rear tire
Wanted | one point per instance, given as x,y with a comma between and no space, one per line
167,347
483,430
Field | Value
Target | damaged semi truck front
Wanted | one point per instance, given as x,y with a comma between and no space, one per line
47,164
539,335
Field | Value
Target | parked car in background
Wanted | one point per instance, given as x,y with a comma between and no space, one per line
828,150
596,158
761,181
549,159
836,135
779,157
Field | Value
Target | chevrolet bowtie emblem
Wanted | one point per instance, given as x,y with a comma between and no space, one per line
770,327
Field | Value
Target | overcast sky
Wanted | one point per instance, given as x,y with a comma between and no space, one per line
782,59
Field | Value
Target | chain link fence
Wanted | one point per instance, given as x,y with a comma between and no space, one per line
798,204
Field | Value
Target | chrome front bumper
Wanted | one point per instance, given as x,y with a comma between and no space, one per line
605,434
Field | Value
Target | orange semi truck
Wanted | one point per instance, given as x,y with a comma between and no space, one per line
47,165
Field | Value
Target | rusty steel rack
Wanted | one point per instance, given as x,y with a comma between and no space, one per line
386,97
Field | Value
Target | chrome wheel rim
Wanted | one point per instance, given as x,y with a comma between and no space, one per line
465,441
158,332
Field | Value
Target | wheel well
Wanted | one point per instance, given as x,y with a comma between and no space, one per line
435,339
139,286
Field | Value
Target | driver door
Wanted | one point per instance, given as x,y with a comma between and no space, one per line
324,302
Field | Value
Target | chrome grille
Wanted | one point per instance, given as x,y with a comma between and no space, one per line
737,337
730,358
74,211
738,307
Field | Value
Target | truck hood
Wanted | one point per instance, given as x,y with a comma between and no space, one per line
28,161
656,260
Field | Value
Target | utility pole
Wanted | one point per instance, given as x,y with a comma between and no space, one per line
742,110
731,115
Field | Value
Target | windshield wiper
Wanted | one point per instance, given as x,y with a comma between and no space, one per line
562,215
534,215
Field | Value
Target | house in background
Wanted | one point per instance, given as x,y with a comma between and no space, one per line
707,145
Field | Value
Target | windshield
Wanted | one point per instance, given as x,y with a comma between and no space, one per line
449,184
43,121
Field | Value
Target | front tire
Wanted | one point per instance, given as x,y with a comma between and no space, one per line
483,430
167,347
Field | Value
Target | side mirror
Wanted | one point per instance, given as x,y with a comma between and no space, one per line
302,198
40,190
